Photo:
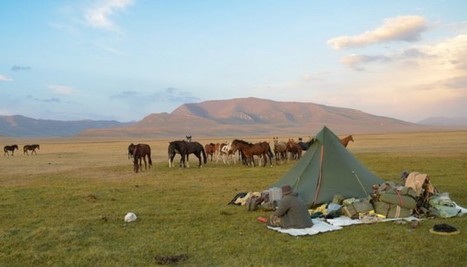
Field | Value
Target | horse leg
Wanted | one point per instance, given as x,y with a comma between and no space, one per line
188,160
198,155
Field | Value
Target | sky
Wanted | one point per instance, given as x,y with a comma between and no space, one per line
125,59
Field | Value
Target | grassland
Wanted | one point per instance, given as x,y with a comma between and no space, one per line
65,207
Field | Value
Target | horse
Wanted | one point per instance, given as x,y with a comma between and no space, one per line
280,149
184,149
140,153
210,149
294,150
345,141
306,145
11,148
249,150
131,147
226,153
30,147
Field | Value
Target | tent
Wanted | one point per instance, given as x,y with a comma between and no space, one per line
327,168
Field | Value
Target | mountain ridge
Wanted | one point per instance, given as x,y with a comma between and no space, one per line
232,117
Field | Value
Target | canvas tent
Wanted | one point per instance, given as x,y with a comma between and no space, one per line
327,168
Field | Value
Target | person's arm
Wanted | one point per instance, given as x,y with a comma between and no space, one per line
283,208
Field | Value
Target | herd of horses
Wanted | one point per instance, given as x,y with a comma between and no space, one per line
26,148
227,152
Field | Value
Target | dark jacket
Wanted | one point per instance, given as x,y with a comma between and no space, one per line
293,212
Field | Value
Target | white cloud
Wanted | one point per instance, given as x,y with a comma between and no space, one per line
61,89
4,78
402,28
100,15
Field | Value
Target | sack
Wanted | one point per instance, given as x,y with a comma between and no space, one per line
391,210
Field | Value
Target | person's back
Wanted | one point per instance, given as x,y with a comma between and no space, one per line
292,211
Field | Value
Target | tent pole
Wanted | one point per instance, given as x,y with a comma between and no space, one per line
358,179
320,177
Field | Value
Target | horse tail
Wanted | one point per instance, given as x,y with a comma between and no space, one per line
149,156
204,155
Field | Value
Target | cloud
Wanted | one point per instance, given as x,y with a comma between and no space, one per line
100,15
356,61
402,28
61,89
45,100
171,94
4,78
19,68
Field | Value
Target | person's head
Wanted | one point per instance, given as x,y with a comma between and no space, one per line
286,190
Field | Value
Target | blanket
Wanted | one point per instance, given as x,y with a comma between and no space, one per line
319,226
328,225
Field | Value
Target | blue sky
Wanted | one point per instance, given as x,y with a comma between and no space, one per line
125,59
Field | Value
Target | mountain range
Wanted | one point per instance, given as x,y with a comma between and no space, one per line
233,117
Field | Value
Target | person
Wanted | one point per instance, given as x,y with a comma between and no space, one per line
292,211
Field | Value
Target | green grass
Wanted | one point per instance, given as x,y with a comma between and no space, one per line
65,207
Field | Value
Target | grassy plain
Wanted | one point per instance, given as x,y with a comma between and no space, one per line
65,207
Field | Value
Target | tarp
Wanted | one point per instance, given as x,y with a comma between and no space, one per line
327,168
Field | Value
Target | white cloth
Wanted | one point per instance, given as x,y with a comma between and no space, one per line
319,226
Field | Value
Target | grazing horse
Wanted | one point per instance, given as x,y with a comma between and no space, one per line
131,147
140,153
30,147
345,141
210,149
280,149
294,150
306,145
249,150
184,149
226,153
11,148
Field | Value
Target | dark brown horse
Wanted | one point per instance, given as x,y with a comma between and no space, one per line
11,148
33,148
140,153
131,147
249,150
184,149
345,141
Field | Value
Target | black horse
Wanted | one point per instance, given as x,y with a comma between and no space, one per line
33,148
306,145
140,153
184,149
11,148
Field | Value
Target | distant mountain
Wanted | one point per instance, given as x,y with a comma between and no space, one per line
444,121
20,126
256,117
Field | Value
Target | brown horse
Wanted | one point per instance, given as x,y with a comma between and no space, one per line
294,150
345,141
140,153
280,149
210,150
249,150
11,148
33,148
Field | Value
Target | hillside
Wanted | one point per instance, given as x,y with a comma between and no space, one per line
253,116
21,126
